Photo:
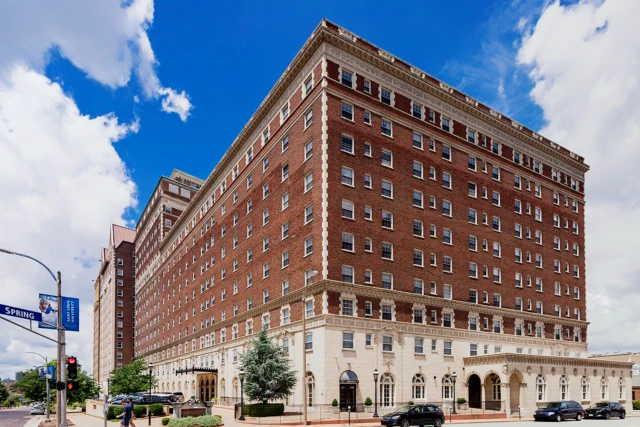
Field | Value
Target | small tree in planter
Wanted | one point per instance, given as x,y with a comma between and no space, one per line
462,403
334,406
367,405
268,374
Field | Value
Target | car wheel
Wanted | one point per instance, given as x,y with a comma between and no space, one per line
607,416
579,417
558,417
623,415
405,423
438,422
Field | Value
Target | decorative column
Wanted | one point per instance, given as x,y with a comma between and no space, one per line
507,396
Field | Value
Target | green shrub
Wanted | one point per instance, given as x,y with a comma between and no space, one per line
114,411
264,410
165,421
157,409
334,403
368,402
410,402
461,400
636,404
203,421
139,411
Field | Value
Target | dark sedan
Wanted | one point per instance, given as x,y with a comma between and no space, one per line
414,415
605,410
558,411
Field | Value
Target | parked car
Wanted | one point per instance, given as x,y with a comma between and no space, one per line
605,410
562,410
414,415
37,410
179,396
117,400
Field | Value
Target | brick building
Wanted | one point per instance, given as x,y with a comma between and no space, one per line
113,304
420,232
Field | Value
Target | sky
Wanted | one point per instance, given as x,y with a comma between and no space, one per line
98,99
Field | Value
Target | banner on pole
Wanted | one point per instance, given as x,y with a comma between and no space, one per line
48,306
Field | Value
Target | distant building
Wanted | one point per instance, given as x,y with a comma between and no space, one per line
114,303
635,369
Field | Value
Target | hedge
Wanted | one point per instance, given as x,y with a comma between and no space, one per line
203,421
114,411
636,404
139,411
264,410
165,421
157,409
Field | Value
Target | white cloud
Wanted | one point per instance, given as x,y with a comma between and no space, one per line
174,102
106,39
62,185
584,61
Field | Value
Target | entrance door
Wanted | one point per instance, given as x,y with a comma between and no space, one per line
347,397
475,392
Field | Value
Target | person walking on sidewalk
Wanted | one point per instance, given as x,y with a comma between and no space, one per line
126,414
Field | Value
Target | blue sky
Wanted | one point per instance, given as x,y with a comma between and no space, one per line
227,56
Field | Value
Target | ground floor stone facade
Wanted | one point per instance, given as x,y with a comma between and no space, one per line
418,363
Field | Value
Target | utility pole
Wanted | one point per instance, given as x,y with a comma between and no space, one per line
61,405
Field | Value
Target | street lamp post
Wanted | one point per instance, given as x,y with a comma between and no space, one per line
46,378
453,380
149,410
61,401
375,393
106,399
241,376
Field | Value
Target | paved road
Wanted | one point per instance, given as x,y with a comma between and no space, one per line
614,422
14,417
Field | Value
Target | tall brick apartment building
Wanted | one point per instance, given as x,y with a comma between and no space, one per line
420,232
113,305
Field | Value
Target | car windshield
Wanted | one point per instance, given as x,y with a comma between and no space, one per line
550,405
600,405
403,410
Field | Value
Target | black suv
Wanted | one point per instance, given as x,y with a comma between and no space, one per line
414,415
605,410
558,411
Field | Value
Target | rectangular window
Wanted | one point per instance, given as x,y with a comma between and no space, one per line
308,119
347,176
417,110
348,209
447,348
387,343
387,280
367,118
445,124
347,111
386,127
386,189
347,274
418,170
385,95
347,78
418,346
387,312
418,286
347,340
308,150
347,242
387,158
446,152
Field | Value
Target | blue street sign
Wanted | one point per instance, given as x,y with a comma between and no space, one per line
48,305
7,310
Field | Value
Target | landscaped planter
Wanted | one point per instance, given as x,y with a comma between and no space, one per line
264,409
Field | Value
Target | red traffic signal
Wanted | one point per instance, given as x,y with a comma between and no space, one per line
73,385
72,367
71,360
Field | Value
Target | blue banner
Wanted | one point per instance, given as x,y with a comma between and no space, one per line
48,306
43,371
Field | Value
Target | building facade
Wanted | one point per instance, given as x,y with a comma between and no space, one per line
113,308
419,232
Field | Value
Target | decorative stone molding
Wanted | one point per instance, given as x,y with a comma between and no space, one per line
347,35
386,55
532,359
471,101
446,87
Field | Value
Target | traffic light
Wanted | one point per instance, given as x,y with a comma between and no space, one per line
73,385
72,368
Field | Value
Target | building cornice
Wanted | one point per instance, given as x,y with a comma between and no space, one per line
532,359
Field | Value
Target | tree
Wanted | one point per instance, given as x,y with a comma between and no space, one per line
4,393
131,378
35,388
267,370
